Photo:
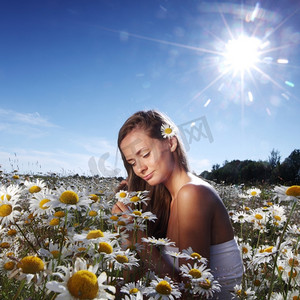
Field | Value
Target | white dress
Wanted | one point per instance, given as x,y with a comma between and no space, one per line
226,266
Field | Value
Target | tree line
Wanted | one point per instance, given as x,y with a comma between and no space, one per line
270,171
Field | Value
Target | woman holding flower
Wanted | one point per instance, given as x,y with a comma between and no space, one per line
189,211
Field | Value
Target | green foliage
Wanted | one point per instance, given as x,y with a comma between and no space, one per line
257,172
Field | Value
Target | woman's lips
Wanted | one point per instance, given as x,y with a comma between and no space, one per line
149,176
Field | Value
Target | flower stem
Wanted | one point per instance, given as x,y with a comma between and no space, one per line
278,250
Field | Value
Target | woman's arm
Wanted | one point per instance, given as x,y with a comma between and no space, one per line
195,206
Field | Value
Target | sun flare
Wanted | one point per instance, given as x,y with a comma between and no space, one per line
242,53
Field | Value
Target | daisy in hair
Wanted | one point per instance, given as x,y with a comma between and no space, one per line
167,130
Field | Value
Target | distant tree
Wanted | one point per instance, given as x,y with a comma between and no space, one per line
274,158
215,167
289,170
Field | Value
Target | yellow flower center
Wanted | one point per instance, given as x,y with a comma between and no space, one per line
164,288
16,177
257,282
245,250
253,193
268,249
81,249
93,213
12,232
205,284
43,202
247,208
122,195
94,197
121,223
55,253
137,213
258,216
168,130
83,285
135,199
114,218
294,274
293,190
296,298
5,210
277,218
196,255
59,214
293,262
31,264
8,197
94,234
54,222
122,259
8,254
241,293
34,189
105,247
9,265
133,291
4,245
195,273
69,197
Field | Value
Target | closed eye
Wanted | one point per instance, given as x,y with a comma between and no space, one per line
147,154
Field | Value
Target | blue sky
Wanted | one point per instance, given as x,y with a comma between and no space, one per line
71,72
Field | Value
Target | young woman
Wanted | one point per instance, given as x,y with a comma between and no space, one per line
189,211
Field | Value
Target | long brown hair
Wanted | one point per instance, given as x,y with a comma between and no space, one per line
151,122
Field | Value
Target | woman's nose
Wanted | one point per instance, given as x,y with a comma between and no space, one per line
141,167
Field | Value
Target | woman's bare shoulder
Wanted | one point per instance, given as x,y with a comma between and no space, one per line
197,189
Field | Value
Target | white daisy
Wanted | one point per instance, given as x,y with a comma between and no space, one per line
70,199
195,272
34,186
158,242
31,268
94,236
81,282
194,255
39,203
167,130
12,191
122,195
9,212
136,290
124,259
242,293
253,192
163,289
286,193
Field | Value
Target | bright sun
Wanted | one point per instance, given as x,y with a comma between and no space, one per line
242,54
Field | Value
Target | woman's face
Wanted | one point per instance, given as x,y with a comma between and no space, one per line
151,159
